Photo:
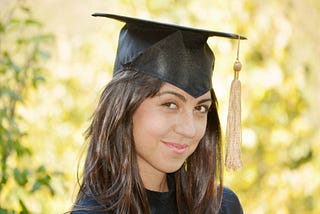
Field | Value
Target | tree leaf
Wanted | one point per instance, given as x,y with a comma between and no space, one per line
1,27
12,94
24,209
37,78
21,177
36,186
33,22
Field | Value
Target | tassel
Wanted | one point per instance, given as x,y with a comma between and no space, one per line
234,136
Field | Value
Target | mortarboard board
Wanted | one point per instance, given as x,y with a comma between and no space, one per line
181,56
176,54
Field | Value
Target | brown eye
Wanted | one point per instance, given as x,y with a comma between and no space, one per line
170,105
202,108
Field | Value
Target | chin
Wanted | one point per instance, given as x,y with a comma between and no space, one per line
172,169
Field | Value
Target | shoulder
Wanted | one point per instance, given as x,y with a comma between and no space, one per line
87,205
230,203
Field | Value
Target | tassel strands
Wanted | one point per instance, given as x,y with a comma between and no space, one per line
234,136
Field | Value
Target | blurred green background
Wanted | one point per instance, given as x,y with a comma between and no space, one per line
55,58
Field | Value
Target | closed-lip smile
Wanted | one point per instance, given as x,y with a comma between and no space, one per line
176,147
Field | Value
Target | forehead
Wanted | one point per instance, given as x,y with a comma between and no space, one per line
171,88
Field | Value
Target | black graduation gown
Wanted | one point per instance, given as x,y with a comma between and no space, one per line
164,203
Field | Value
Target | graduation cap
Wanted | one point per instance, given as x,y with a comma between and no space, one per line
176,54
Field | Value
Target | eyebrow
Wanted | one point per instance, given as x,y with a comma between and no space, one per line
181,97
205,100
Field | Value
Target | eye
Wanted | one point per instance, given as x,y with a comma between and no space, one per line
170,105
202,108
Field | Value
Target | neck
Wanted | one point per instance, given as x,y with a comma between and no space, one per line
154,181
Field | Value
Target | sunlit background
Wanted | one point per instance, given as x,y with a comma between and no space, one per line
55,59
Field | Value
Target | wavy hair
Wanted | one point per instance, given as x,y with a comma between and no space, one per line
111,174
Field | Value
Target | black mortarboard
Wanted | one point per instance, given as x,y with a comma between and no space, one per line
176,54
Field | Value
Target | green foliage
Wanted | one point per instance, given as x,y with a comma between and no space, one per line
280,138
22,54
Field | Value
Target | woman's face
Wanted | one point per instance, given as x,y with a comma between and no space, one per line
167,128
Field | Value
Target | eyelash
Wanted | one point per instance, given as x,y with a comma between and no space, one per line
206,109
168,104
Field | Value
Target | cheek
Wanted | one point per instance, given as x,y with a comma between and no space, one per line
201,128
147,130
148,125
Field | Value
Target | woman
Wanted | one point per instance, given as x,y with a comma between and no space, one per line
154,140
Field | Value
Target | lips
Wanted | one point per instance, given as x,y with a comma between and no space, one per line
176,147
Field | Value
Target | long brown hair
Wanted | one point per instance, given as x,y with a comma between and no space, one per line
111,175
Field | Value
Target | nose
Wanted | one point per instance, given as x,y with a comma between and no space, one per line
186,125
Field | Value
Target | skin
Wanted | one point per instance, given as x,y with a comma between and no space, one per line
167,129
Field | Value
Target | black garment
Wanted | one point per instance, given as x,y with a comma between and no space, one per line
230,203
164,203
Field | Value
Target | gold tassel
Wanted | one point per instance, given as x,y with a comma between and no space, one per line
234,136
